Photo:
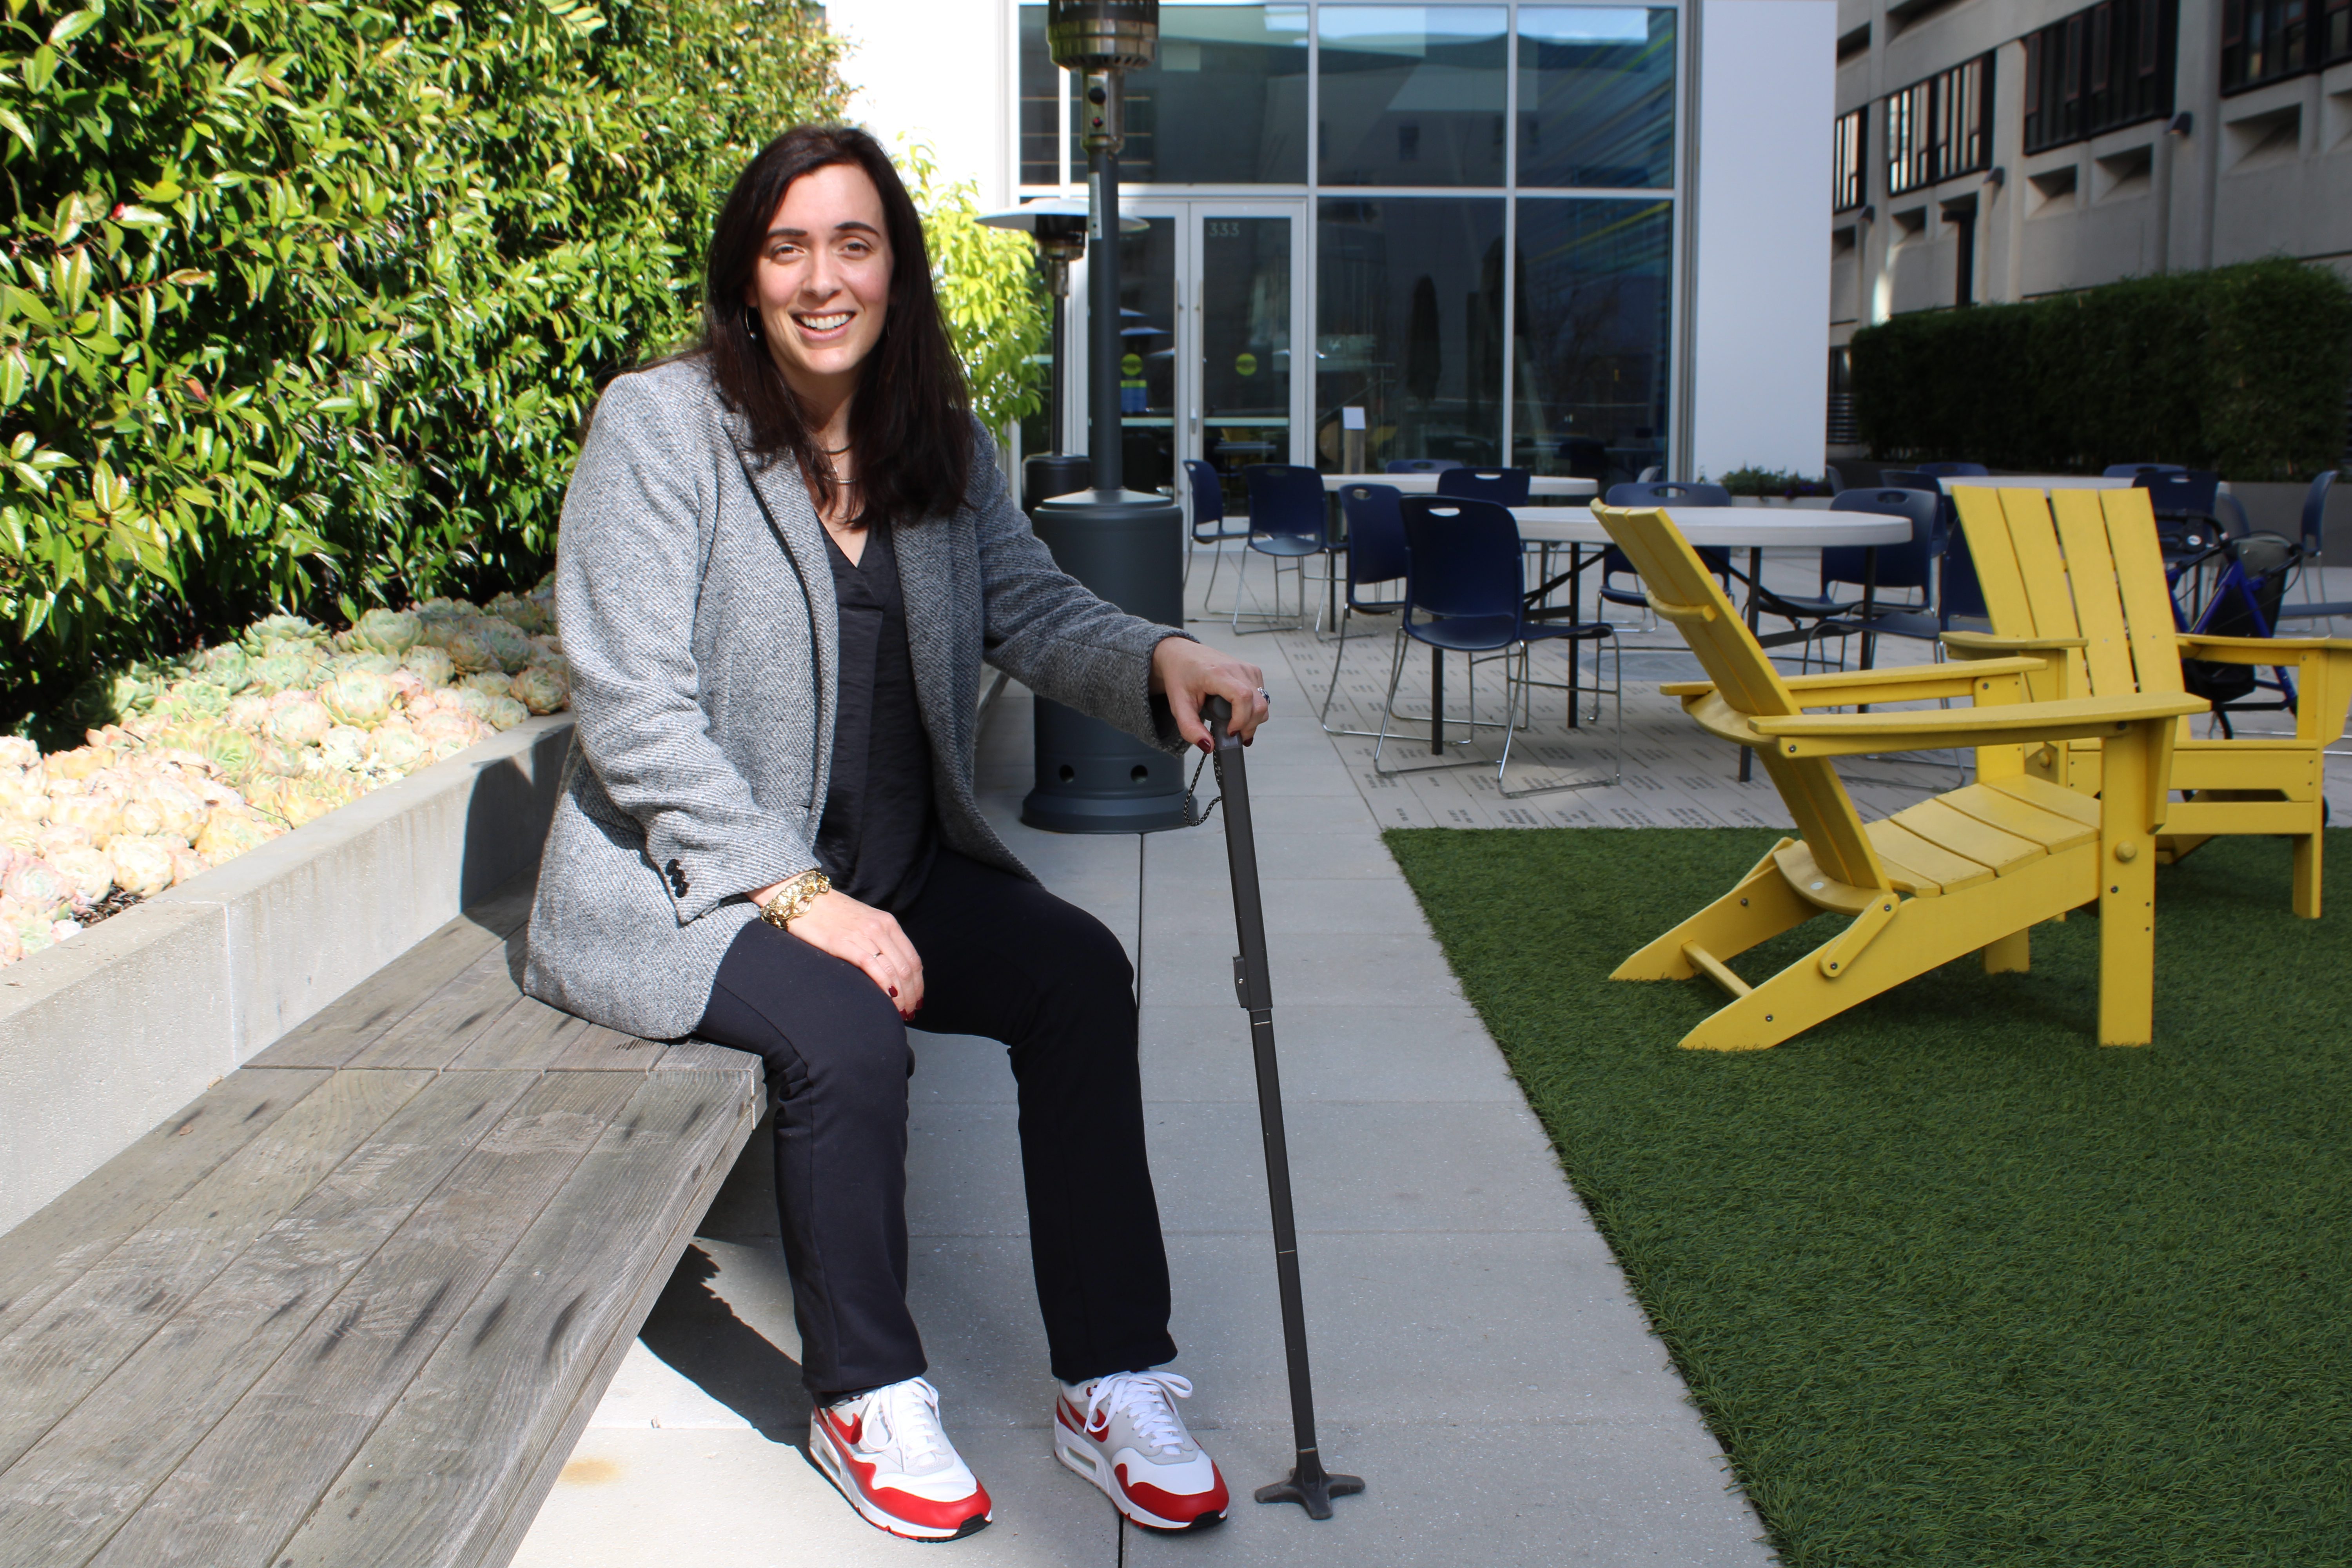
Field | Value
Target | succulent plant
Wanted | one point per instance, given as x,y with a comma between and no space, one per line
139,864
37,884
283,634
506,713
344,747
360,698
509,645
227,834
88,873
300,722
284,671
433,666
491,683
392,632
526,614
540,689
99,816
397,747
231,749
469,651
200,697
178,810
16,752
468,699
226,666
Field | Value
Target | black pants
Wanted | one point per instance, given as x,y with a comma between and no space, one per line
1004,958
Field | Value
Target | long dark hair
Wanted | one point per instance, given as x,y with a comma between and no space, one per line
911,419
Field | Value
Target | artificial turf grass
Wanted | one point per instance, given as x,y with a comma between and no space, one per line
1952,1283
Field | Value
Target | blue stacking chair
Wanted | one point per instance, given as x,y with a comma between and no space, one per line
1504,487
1910,566
1288,521
1421,465
1464,591
1209,526
2315,536
1376,555
2186,527
1947,470
2134,470
1660,493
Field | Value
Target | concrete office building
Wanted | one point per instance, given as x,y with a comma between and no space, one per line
1571,237
1994,149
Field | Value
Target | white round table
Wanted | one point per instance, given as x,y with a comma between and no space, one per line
1426,484
1749,528
1741,527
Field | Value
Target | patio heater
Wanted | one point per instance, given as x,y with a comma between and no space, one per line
1126,546
1058,229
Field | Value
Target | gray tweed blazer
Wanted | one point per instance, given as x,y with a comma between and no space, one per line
699,619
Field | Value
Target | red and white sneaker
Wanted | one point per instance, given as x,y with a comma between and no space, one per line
887,1453
1123,1434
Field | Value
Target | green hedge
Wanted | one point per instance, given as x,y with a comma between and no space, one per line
302,300
2243,369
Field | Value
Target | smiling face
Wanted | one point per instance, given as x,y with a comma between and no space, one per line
822,284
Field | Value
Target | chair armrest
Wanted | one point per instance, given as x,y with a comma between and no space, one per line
1988,645
2017,723
1842,689
2258,650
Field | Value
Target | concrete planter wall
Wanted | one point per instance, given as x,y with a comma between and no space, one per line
104,1036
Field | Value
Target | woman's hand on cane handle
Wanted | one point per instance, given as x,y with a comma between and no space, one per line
863,935
1189,674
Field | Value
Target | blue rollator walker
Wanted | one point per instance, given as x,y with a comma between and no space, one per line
1310,1485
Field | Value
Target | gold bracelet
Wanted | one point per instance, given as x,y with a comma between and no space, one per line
793,900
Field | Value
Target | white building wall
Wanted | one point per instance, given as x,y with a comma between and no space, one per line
1766,78
939,71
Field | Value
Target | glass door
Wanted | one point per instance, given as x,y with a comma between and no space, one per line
1209,294
1245,400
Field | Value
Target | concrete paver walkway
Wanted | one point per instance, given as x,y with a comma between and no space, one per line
1478,1357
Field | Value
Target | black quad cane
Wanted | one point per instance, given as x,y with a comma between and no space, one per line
1309,1485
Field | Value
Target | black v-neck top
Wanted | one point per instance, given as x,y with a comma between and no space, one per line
876,839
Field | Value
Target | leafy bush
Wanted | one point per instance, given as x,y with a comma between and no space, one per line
1752,481
988,292
2240,369
303,299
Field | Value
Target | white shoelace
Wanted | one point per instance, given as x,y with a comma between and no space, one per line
1147,1400
909,1412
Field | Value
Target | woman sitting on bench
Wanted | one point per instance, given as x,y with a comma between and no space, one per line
784,553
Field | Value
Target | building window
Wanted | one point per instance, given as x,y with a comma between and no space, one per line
2108,66
1597,97
1940,128
1042,91
1413,95
2265,40
1847,154
2335,32
1591,335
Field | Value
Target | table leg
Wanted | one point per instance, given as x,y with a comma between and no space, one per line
1436,703
1869,603
1755,580
1575,598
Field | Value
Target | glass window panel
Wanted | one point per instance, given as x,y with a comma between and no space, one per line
1230,87
1147,368
1597,96
1042,86
1244,344
1590,372
1413,95
1409,327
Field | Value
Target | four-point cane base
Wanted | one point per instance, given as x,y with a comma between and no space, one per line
1311,1487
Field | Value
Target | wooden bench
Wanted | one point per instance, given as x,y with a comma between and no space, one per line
355,1304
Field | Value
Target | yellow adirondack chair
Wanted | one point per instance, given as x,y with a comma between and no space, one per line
1972,869
2077,575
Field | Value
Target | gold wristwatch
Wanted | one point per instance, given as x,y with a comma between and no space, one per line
793,900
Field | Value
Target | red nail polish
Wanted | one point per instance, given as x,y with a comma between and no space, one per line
894,991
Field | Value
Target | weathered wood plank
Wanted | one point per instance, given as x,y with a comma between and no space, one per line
438,1030
78,1484
248,1485
701,1056
600,1049
343,1027
531,1034
496,1549
66,1237
59,1353
435,1482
